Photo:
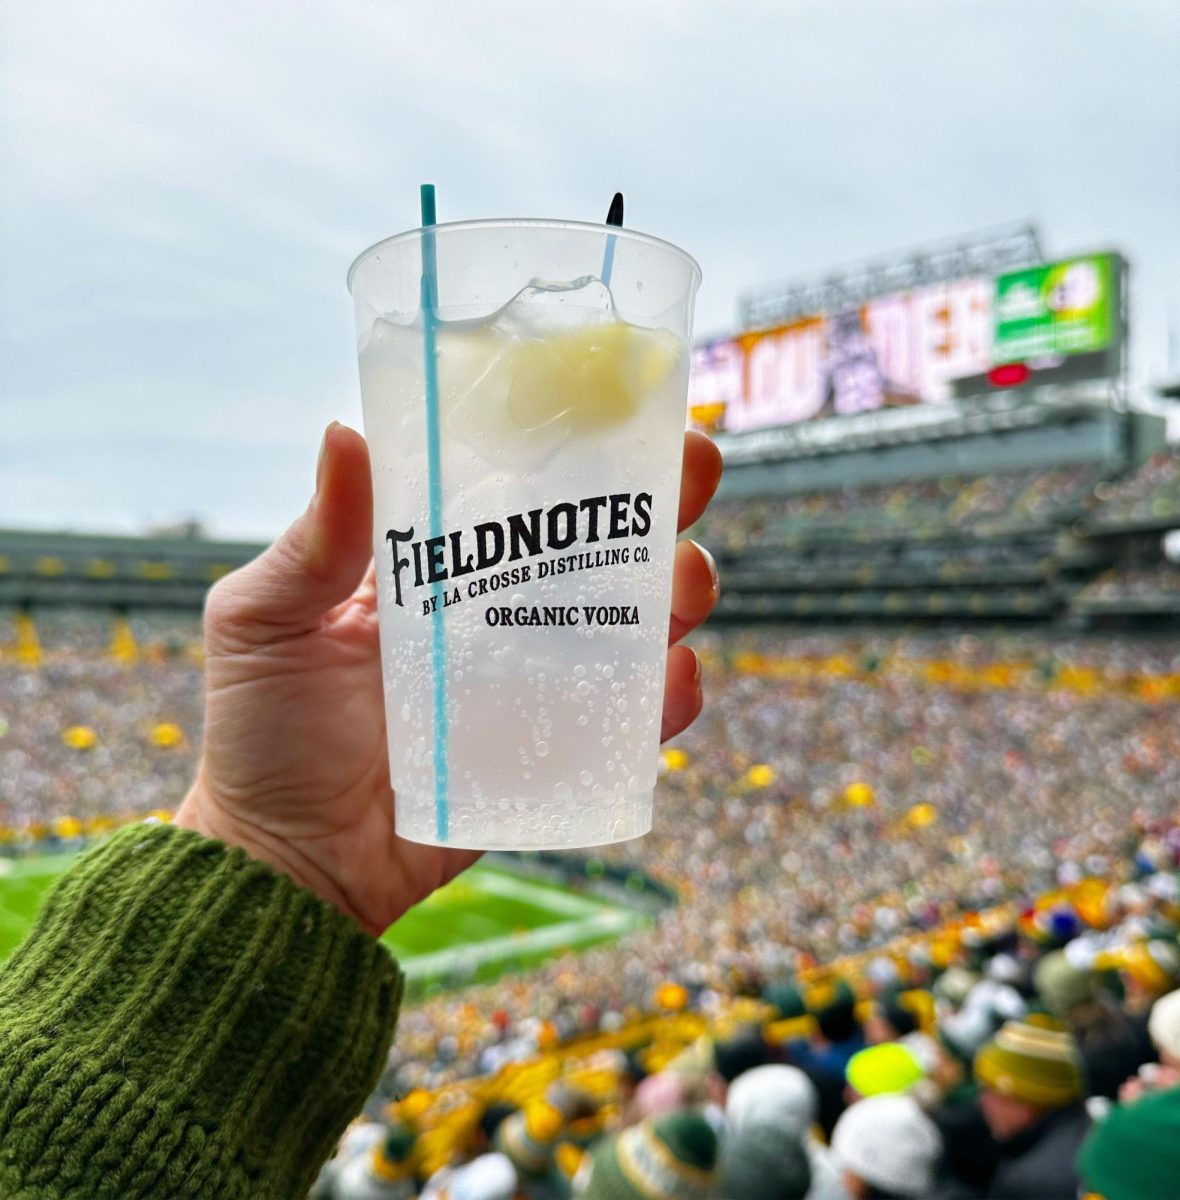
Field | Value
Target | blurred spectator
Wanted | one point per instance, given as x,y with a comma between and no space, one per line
1031,1088
784,1101
489,1177
886,1146
1134,1154
760,1164
671,1158
528,1139
1164,1030
1164,1027
884,1070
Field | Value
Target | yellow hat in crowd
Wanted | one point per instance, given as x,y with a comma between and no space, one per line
1034,1060
673,997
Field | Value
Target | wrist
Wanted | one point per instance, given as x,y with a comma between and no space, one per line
202,812
220,1031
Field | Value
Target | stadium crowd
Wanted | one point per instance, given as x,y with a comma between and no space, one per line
1158,581
1015,1054
1148,494
809,816
76,729
986,504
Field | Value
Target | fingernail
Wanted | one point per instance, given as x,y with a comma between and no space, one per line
712,566
323,455
696,669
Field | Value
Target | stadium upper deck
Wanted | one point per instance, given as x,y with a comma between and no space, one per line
44,569
1038,518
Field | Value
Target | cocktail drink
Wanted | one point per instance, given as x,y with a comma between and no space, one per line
525,501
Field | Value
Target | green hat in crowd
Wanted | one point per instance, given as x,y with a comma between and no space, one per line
787,998
1061,985
672,1158
1135,1153
1034,1060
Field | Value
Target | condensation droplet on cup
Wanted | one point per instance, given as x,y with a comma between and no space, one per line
585,779
608,671
583,688
541,749
563,791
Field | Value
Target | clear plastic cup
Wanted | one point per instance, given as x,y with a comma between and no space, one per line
524,521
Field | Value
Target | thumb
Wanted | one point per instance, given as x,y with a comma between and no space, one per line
317,563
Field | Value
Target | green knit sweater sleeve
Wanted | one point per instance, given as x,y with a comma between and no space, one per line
184,1021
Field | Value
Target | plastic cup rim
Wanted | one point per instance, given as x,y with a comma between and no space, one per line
617,231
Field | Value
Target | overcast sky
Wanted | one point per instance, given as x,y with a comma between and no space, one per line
184,185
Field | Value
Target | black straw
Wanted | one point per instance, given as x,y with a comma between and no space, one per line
615,216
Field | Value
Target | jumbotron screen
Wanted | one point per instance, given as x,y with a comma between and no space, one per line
913,347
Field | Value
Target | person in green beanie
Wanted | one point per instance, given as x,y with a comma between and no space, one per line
1134,1154
1112,1045
671,1158
786,998
201,1008
1062,986
1030,1081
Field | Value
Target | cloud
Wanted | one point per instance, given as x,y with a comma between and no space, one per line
186,184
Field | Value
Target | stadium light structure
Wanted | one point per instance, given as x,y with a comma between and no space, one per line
985,252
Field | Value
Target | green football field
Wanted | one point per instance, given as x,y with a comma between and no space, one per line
487,921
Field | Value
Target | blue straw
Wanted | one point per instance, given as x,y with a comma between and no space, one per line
608,259
438,644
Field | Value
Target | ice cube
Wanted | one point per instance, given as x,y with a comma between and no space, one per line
548,306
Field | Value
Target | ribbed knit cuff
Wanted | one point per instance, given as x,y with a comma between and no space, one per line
183,1021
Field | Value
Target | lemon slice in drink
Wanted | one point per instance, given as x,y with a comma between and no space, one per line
597,376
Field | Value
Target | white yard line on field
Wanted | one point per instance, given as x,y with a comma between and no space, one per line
519,887
603,923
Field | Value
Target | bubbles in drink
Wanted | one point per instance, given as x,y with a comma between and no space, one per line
550,399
